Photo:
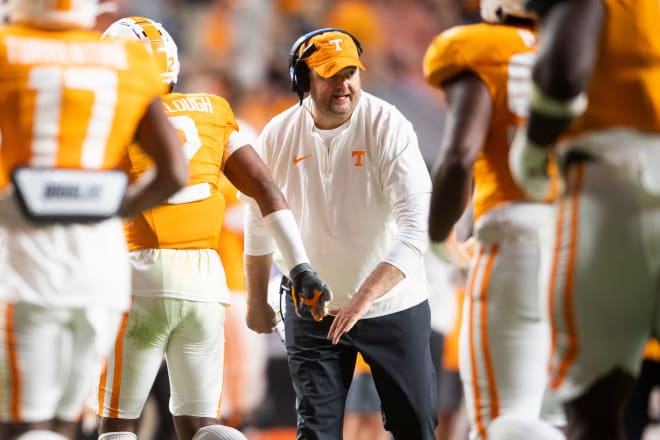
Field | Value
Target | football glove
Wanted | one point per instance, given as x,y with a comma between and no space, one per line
528,163
454,253
309,293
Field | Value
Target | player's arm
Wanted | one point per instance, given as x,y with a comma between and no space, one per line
260,316
570,35
469,109
248,173
160,141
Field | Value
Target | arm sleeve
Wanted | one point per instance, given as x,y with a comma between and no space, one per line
407,185
257,239
235,141
412,241
277,229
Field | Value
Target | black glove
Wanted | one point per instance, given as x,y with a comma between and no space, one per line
309,292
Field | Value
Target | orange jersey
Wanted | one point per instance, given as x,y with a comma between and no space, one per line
625,86
501,56
192,218
69,99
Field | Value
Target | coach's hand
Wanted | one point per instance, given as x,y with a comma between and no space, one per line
348,315
309,292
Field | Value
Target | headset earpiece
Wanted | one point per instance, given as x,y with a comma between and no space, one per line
298,70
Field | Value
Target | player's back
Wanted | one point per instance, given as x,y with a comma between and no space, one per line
501,56
70,100
192,218
625,86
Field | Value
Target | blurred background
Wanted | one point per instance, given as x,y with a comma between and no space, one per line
239,49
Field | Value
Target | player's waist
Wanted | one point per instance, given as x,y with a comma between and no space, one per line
188,244
520,221
626,149
180,226
189,274
493,187
631,153
142,234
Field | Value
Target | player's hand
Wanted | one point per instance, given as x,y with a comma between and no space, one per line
309,293
260,317
453,252
528,163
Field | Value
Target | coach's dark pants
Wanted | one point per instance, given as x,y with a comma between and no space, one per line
395,346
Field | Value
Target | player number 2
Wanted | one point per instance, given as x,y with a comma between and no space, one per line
192,143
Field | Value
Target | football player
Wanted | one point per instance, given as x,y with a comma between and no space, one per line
596,104
484,71
179,285
71,105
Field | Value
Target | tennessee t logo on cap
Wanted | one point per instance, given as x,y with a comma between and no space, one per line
334,51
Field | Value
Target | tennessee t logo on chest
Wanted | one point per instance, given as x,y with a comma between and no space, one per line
358,155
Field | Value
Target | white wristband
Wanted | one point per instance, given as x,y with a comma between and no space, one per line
257,239
283,228
549,106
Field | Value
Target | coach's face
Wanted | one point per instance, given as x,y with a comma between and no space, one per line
334,98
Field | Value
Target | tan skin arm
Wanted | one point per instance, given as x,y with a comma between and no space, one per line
161,142
469,110
248,173
260,316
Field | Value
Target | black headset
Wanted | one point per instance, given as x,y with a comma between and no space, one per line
298,70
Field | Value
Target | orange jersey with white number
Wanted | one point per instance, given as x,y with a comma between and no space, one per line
192,218
69,99
625,86
501,56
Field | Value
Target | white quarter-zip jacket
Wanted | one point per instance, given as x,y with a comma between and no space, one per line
359,199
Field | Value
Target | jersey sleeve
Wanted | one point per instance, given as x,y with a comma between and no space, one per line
443,58
483,49
229,127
